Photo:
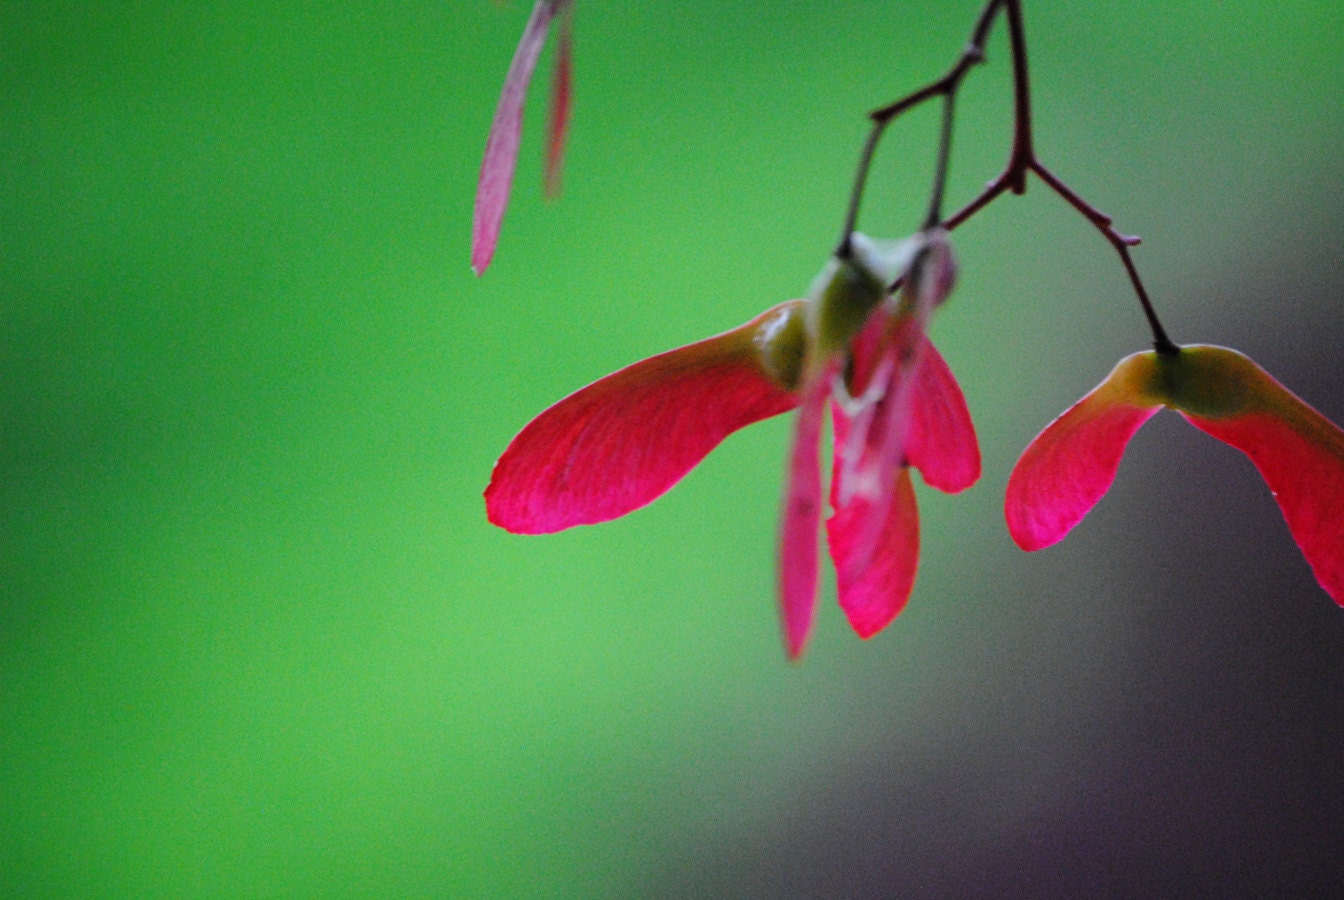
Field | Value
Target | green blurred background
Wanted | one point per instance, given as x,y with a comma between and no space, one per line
257,638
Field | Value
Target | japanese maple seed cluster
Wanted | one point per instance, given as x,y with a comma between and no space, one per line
857,346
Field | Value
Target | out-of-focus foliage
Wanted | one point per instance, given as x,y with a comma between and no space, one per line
257,637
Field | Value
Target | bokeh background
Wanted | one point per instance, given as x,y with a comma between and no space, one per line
257,638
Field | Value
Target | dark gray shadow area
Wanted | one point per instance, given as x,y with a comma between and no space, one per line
1210,762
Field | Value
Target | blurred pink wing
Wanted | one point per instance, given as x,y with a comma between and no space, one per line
800,519
874,589
562,87
501,147
941,440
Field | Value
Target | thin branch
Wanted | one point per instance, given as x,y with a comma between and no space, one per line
1121,243
972,55
1023,161
881,118
856,193
1022,143
991,191
944,158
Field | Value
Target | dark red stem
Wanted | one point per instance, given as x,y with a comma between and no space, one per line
1021,161
944,87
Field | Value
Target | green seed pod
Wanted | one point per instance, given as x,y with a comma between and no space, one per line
781,343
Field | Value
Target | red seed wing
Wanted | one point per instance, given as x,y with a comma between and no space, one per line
1072,463
623,441
874,589
941,440
1299,453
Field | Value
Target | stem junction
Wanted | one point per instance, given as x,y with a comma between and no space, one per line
1022,159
